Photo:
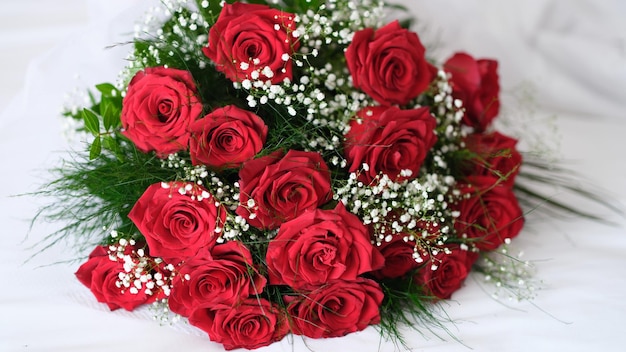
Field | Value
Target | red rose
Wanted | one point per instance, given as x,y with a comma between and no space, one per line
445,273
177,219
226,137
389,140
250,37
495,156
475,82
489,214
337,308
159,106
389,64
101,275
282,187
321,245
399,257
254,323
223,275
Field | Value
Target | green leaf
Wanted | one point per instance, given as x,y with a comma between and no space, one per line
309,5
105,112
108,142
92,98
107,90
214,7
96,148
289,4
92,123
110,114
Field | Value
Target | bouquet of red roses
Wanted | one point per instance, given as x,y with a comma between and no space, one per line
289,167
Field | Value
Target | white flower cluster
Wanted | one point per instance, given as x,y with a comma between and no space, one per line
157,15
392,207
511,275
323,93
352,15
178,42
223,192
448,112
138,275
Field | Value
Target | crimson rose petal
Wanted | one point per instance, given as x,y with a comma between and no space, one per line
389,141
389,64
101,275
496,155
226,137
319,246
177,219
224,275
158,108
281,187
251,324
445,274
249,37
475,82
490,214
399,257
336,308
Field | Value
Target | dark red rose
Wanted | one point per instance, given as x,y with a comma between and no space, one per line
158,108
321,245
400,257
475,82
489,214
389,140
336,308
249,37
226,137
389,64
445,273
177,219
251,324
495,155
223,275
101,274
282,187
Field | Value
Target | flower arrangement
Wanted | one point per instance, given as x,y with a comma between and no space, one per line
298,166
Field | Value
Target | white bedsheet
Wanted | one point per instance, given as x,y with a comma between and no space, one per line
573,52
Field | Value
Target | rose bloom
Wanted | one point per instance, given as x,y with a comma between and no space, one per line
489,214
249,37
495,155
253,323
226,137
336,308
321,245
399,257
450,272
281,187
223,275
475,82
159,106
176,226
389,64
389,140
101,275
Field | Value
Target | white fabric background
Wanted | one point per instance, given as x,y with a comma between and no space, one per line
573,52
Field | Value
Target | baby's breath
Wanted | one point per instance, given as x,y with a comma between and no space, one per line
141,273
393,208
511,276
